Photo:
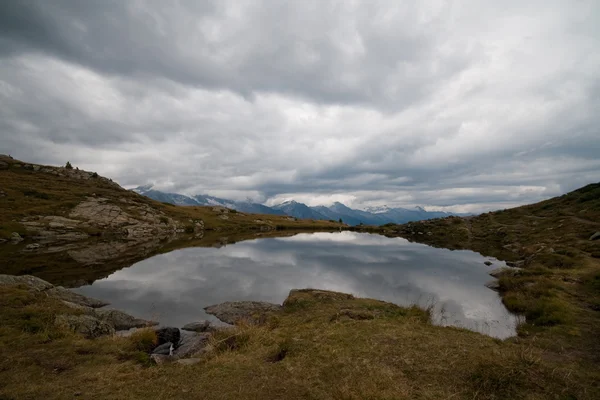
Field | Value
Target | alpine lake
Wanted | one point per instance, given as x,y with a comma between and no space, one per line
174,287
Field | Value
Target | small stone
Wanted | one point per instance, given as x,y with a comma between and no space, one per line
488,263
164,349
32,246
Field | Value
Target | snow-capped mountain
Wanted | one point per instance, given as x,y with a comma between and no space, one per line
370,216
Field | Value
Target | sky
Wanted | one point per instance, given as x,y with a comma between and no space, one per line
463,106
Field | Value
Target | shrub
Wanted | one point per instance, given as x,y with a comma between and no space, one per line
189,229
95,175
164,220
143,340
68,166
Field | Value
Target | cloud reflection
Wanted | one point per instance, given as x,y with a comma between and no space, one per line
174,287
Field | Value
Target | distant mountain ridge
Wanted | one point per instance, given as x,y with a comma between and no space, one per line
371,216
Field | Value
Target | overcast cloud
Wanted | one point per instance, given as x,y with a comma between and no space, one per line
459,105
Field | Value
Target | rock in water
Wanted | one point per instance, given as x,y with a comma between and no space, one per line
488,263
494,285
233,312
168,334
165,349
199,326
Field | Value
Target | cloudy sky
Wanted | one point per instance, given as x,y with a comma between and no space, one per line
462,105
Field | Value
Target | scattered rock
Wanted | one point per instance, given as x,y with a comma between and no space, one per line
233,312
32,246
488,263
168,335
3,165
72,297
494,285
191,344
15,237
188,361
86,325
199,326
122,321
595,236
164,349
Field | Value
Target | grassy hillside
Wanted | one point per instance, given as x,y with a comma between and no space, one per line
558,289
27,190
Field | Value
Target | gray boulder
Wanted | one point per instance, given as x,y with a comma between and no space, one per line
122,321
165,349
86,325
494,285
16,238
191,344
233,312
488,263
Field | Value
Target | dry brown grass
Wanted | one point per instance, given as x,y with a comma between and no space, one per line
316,347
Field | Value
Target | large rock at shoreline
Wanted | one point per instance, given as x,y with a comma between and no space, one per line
233,312
122,321
86,325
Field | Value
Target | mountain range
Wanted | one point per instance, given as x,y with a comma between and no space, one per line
370,216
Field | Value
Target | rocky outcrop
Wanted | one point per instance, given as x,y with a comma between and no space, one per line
93,320
233,312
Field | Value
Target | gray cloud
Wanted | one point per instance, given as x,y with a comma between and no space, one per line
459,106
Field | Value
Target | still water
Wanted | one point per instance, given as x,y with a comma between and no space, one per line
174,287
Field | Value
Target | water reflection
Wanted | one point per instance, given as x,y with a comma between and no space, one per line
174,287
